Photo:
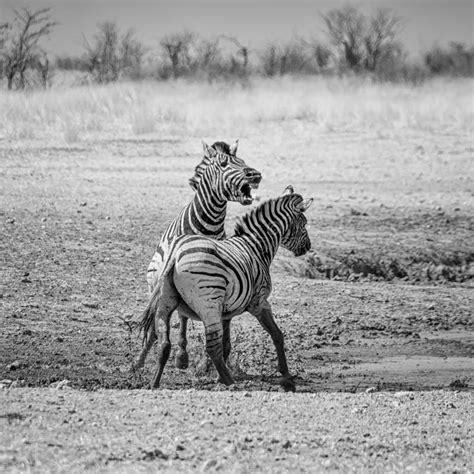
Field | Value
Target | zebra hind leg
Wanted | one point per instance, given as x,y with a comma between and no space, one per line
226,344
168,302
182,358
214,349
163,356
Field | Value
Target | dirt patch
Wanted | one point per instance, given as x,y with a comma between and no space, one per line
79,230
232,431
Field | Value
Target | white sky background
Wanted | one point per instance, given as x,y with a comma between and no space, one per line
252,21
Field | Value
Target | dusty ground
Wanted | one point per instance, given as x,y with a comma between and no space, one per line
384,302
80,224
244,432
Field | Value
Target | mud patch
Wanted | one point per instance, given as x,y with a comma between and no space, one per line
455,267
409,371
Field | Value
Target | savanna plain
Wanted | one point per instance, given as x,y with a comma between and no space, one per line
377,317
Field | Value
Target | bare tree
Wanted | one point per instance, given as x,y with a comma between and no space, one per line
361,38
322,55
3,34
131,54
382,29
112,54
4,29
177,48
20,45
290,57
269,60
346,28
242,51
296,56
457,59
102,54
42,65
207,53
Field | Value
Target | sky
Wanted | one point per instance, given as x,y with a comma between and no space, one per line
254,22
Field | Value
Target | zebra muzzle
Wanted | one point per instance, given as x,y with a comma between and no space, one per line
246,189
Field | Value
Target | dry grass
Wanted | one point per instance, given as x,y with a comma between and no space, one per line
128,109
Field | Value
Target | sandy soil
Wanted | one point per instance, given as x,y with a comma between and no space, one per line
187,431
384,302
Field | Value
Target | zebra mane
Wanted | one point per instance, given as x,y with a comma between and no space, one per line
220,147
245,224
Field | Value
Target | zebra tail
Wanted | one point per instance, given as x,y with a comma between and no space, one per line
148,316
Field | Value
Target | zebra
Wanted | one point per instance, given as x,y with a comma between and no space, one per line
213,281
220,177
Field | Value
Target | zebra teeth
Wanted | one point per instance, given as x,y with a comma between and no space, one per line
254,185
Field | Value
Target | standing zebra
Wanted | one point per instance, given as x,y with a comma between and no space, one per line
213,281
220,177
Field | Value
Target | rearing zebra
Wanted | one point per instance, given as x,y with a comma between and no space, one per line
213,281
220,177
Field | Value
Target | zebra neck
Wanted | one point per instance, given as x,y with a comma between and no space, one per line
264,243
206,214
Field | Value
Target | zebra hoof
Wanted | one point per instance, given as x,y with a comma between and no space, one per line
288,384
182,360
226,381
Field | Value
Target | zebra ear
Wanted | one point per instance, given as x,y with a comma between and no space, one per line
288,190
233,148
305,204
208,150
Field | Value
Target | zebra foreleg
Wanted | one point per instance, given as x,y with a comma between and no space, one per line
182,358
265,318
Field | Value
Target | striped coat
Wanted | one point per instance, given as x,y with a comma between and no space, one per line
213,281
220,177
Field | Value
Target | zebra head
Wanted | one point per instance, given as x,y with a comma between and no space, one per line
223,173
296,238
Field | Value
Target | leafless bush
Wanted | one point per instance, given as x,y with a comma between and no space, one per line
176,50
356,43
237,61
71,63
297,56
345,29
282,59
360,40
380,37
393,66
113,54
19,45
206,55
456,60
4,29
187,54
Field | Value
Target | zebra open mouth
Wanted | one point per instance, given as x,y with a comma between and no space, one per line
246,193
